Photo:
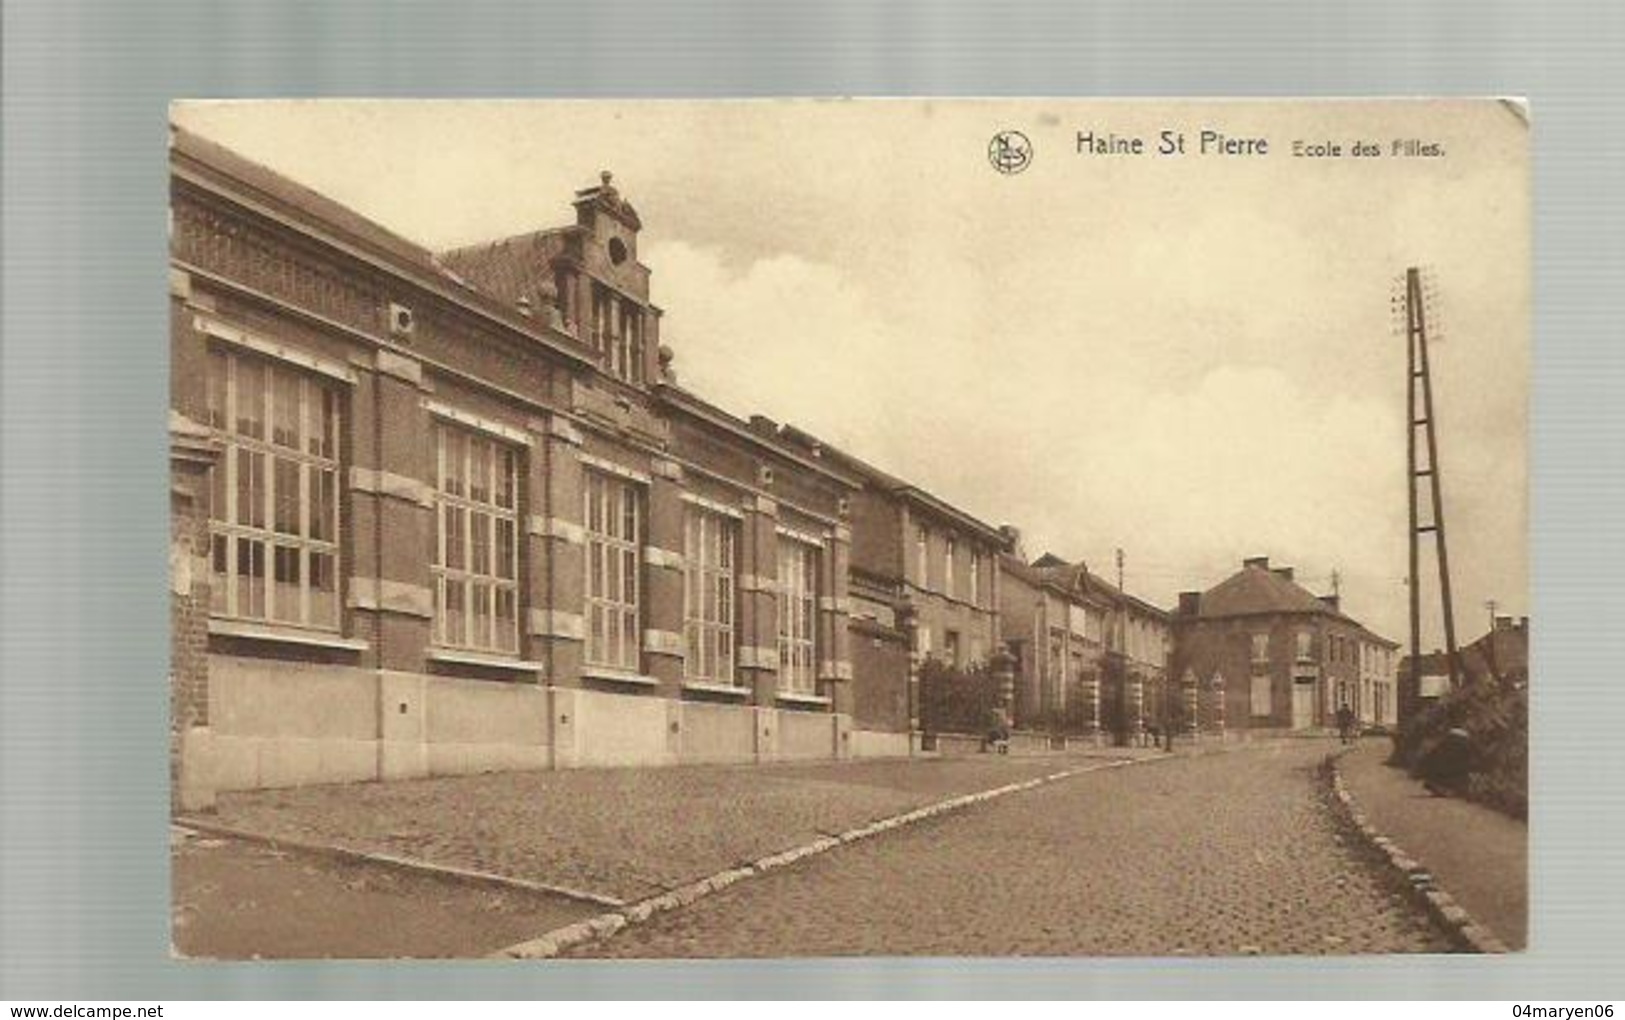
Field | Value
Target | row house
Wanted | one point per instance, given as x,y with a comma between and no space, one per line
1056,619
439,512
1139,645
1090,660
1375,697
1276,657
923,583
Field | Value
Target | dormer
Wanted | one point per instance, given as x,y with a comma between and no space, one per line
584,280
606,288
610,222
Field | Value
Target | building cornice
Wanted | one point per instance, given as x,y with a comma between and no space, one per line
678,399
360,250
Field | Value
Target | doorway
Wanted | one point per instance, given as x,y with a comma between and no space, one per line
1303,703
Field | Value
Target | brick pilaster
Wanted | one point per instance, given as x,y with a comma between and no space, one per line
557,622
834,615
392,522
663,651
758,600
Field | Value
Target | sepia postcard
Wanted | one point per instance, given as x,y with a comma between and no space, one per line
829,528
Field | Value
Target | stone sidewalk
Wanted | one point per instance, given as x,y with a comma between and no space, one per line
1478,855
237,900
623,834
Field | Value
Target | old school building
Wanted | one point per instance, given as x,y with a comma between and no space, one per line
449,511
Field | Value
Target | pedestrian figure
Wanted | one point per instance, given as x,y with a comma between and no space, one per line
998,732
1445,769
1345,723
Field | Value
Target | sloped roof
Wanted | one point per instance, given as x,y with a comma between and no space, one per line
1255,590
1071,576
897,487
214,167
508,268
295,197
1050,570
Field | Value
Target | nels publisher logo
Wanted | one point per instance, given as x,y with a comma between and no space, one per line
1010,152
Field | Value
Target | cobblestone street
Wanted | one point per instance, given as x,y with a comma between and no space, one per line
1224,854
621,833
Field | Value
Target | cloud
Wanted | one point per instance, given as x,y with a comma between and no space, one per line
1187,477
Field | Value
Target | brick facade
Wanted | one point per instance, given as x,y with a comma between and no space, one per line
1090,661
482,401
1285,659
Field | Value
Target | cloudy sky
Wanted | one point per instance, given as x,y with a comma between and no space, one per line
1188,357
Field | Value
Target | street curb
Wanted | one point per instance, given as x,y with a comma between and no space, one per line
1419,883
602,926
445,871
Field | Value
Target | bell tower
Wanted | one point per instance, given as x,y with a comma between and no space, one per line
607,287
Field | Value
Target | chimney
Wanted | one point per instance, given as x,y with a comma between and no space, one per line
1012,541
1503,623
1284,573
1333,602
762,425
1190,603
1261,562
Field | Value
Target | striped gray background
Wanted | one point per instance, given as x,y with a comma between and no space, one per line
83,873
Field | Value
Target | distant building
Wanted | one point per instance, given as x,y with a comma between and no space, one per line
923,583
1055,617
1501,656
1137,693
1089,660
1281,657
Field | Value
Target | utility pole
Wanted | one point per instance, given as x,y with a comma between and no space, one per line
1419,389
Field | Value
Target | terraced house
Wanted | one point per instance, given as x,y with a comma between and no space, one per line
1056,616
1138,687
924,584
438,512
1091,661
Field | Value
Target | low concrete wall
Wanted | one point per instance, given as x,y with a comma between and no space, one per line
268,698
479,726
1021,743
286,724
954,744
618,729
875,744
289,723
717,733
280,723
806,735
1032,743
